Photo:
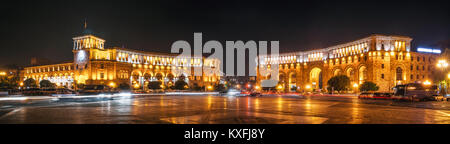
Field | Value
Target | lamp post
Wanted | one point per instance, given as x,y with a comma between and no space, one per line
355,86
443,65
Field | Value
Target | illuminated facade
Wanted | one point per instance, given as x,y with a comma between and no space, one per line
93,64
384,60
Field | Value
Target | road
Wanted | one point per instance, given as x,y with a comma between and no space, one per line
159,109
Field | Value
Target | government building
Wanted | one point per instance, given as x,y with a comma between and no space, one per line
94,64
386,60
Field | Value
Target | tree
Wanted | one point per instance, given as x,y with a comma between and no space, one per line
154,85
368,86
29,82
9,82
196,87
220,88
338,83
4,82
124,86
170,77
80,86
46,84
180,84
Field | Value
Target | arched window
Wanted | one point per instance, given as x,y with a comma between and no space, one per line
399,73
362,74
147,76
281,78
159,76
351,74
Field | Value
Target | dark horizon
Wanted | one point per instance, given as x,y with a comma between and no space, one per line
44,29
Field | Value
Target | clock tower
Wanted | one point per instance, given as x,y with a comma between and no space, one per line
82,49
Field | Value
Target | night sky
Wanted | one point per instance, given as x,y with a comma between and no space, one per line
41,28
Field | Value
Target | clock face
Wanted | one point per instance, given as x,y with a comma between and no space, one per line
81,56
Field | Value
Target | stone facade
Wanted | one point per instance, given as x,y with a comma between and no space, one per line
93,64
384,60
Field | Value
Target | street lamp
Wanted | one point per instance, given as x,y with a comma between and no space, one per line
136,86
210,87
442,64
112,84
308,86
355,86
279,87
427,82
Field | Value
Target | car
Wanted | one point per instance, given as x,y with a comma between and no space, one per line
366,95
64,91
233,92
441,98
245,93
255,94
32,92
381,95
375,95
415,92
97,89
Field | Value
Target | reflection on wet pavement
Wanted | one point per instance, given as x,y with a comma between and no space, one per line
229,110
245,117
